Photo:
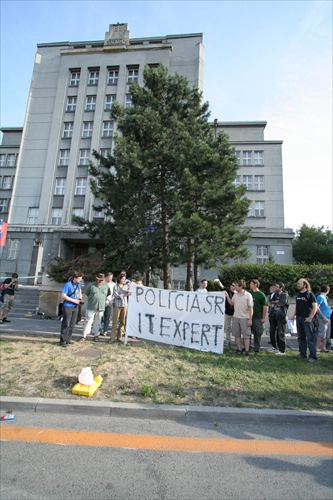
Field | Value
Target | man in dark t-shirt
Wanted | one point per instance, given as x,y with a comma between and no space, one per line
306,309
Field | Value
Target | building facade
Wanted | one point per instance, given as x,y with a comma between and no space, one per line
68,116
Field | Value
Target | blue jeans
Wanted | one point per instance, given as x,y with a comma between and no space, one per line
306,337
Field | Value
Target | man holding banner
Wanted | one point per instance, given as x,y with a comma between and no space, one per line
242,320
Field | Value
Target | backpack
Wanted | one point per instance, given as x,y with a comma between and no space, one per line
2,288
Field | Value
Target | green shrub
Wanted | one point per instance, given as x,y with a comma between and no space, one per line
268,274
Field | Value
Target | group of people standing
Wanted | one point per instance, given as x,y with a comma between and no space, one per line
246,311
106,299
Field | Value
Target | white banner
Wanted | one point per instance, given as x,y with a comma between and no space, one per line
176,317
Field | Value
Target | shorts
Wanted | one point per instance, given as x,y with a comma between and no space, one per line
323,329
8,301
241,328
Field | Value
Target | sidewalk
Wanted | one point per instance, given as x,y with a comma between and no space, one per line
35,329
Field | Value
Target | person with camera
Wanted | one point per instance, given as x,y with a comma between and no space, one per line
10,287
72,297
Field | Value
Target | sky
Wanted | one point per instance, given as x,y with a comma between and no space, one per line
264,61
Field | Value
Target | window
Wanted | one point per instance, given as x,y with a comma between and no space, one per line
250,212
259,182
259,209
98,214
56,216
68,129
59,187
75,78
93,77
237,154
132,75
80,186
258,158
71,104
113,76
13,250
128,102
247,180
107,129
78,212
90,103
32,216
2,160
84,157
109,100
87,129
247,158
105,152
4,204
237,180
7,182
262,254
64,157
11,160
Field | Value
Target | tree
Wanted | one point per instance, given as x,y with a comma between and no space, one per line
313,245
168,189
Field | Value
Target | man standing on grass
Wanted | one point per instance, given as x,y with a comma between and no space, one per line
277,319
305,311
97,294
324,319
109,302
259,313
242,319
71,296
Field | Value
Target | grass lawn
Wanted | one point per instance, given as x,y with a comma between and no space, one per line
149,373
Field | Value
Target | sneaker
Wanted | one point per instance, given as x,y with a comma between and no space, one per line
311,360
247,354
5,320
0,321
288,334
280,353
70,342
272,349
96,339
63,345
239,352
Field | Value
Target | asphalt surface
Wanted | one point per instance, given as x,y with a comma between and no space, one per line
34,328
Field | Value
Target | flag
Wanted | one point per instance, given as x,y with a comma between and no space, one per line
3,233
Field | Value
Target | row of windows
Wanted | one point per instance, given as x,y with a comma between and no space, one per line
90,104
84,156
80,186
112,78
8,160
250,157
87,129
56,215
252,182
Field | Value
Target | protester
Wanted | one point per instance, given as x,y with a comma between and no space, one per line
229,312
120,293
324,319
259,313
242,319
72,297
97,294
203,286
278,307
109,303
305,311
10,287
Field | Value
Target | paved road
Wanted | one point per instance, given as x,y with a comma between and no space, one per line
116,459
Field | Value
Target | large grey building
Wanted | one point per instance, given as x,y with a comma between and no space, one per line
44,178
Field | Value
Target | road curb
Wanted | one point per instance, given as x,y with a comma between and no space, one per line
167,412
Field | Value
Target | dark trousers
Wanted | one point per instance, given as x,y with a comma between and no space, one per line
277,334
257,330
106,318
69,315
306,337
